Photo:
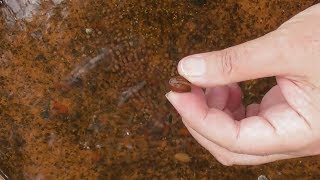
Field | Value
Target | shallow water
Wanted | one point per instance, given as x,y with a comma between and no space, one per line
83,84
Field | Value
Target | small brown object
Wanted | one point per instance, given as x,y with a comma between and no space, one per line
179,84
182,157
60,108
183,132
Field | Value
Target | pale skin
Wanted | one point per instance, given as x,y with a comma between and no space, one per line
286,124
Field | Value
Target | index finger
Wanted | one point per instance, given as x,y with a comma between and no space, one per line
257,135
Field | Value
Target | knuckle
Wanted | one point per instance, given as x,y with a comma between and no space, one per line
227,61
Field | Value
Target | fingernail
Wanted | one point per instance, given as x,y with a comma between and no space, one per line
193,66
167,95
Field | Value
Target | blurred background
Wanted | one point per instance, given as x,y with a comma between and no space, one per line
82,86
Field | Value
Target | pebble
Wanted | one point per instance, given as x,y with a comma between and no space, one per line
183,132
60,108
45,114
262,177
89,30
182,157
179,84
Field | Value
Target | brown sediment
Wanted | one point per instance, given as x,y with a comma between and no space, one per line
60,108
316,2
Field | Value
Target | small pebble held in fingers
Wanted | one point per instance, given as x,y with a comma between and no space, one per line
179,84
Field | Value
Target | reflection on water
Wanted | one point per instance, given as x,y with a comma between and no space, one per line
14,10
82,86
3,175
24,9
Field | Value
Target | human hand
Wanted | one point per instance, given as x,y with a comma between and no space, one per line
287,122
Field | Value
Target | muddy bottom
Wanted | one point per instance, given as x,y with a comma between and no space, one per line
82,86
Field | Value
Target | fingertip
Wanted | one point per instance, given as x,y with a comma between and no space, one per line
252,110
195,69
189,105
192,66
168,95
235,97
239,113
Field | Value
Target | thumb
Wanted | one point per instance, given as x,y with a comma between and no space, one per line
262,57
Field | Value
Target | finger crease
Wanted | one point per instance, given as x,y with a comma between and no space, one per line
273,127
238,128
